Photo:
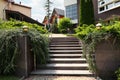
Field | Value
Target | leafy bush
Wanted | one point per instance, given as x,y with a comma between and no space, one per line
13,24
9,48
64,24
9,77
90,36
118,74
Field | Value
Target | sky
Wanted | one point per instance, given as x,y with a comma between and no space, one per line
38,10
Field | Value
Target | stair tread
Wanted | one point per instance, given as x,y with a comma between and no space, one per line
68,72
67,59
66,55
65,47
66,65
66,51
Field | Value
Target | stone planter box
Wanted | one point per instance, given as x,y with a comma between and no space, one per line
24,65
107,58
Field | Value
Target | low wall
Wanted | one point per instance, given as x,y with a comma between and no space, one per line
107,57
25,59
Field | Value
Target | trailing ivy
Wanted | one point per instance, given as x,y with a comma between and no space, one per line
8,51
91,36
39,45
9,48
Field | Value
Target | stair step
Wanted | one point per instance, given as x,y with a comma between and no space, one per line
65,45
65,51
65,48
64,66
65,55
64,38
56,43
67,59
55,61
62,72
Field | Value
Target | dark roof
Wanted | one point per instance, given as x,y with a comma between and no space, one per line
59,11
21,5
19,16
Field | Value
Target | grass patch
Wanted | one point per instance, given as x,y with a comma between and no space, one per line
8,77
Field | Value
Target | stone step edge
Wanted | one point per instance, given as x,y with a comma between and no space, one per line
63,72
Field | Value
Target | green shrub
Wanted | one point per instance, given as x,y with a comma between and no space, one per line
64,24
9,48
118,74
9,77
91,36
13,24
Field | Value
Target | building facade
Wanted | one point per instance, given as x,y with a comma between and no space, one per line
10,9
105,9
7,5
71,10
57,14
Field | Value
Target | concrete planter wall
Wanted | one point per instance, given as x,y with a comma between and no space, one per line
107,57
25,59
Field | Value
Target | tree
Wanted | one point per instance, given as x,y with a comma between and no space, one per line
64,24
86,12
48,11
55,26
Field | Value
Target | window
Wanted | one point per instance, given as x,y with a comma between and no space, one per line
105,5
110,5
117,3
102,8
71,11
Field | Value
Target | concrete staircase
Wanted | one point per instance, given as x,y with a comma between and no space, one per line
65,58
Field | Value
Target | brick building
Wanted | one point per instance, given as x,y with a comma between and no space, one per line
56,14
103,9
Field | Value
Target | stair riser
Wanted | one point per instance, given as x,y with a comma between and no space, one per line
65,52
65,49
63,68
65,56
65,46
69,39
65,41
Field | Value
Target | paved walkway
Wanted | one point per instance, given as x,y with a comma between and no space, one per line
59,78
57,35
